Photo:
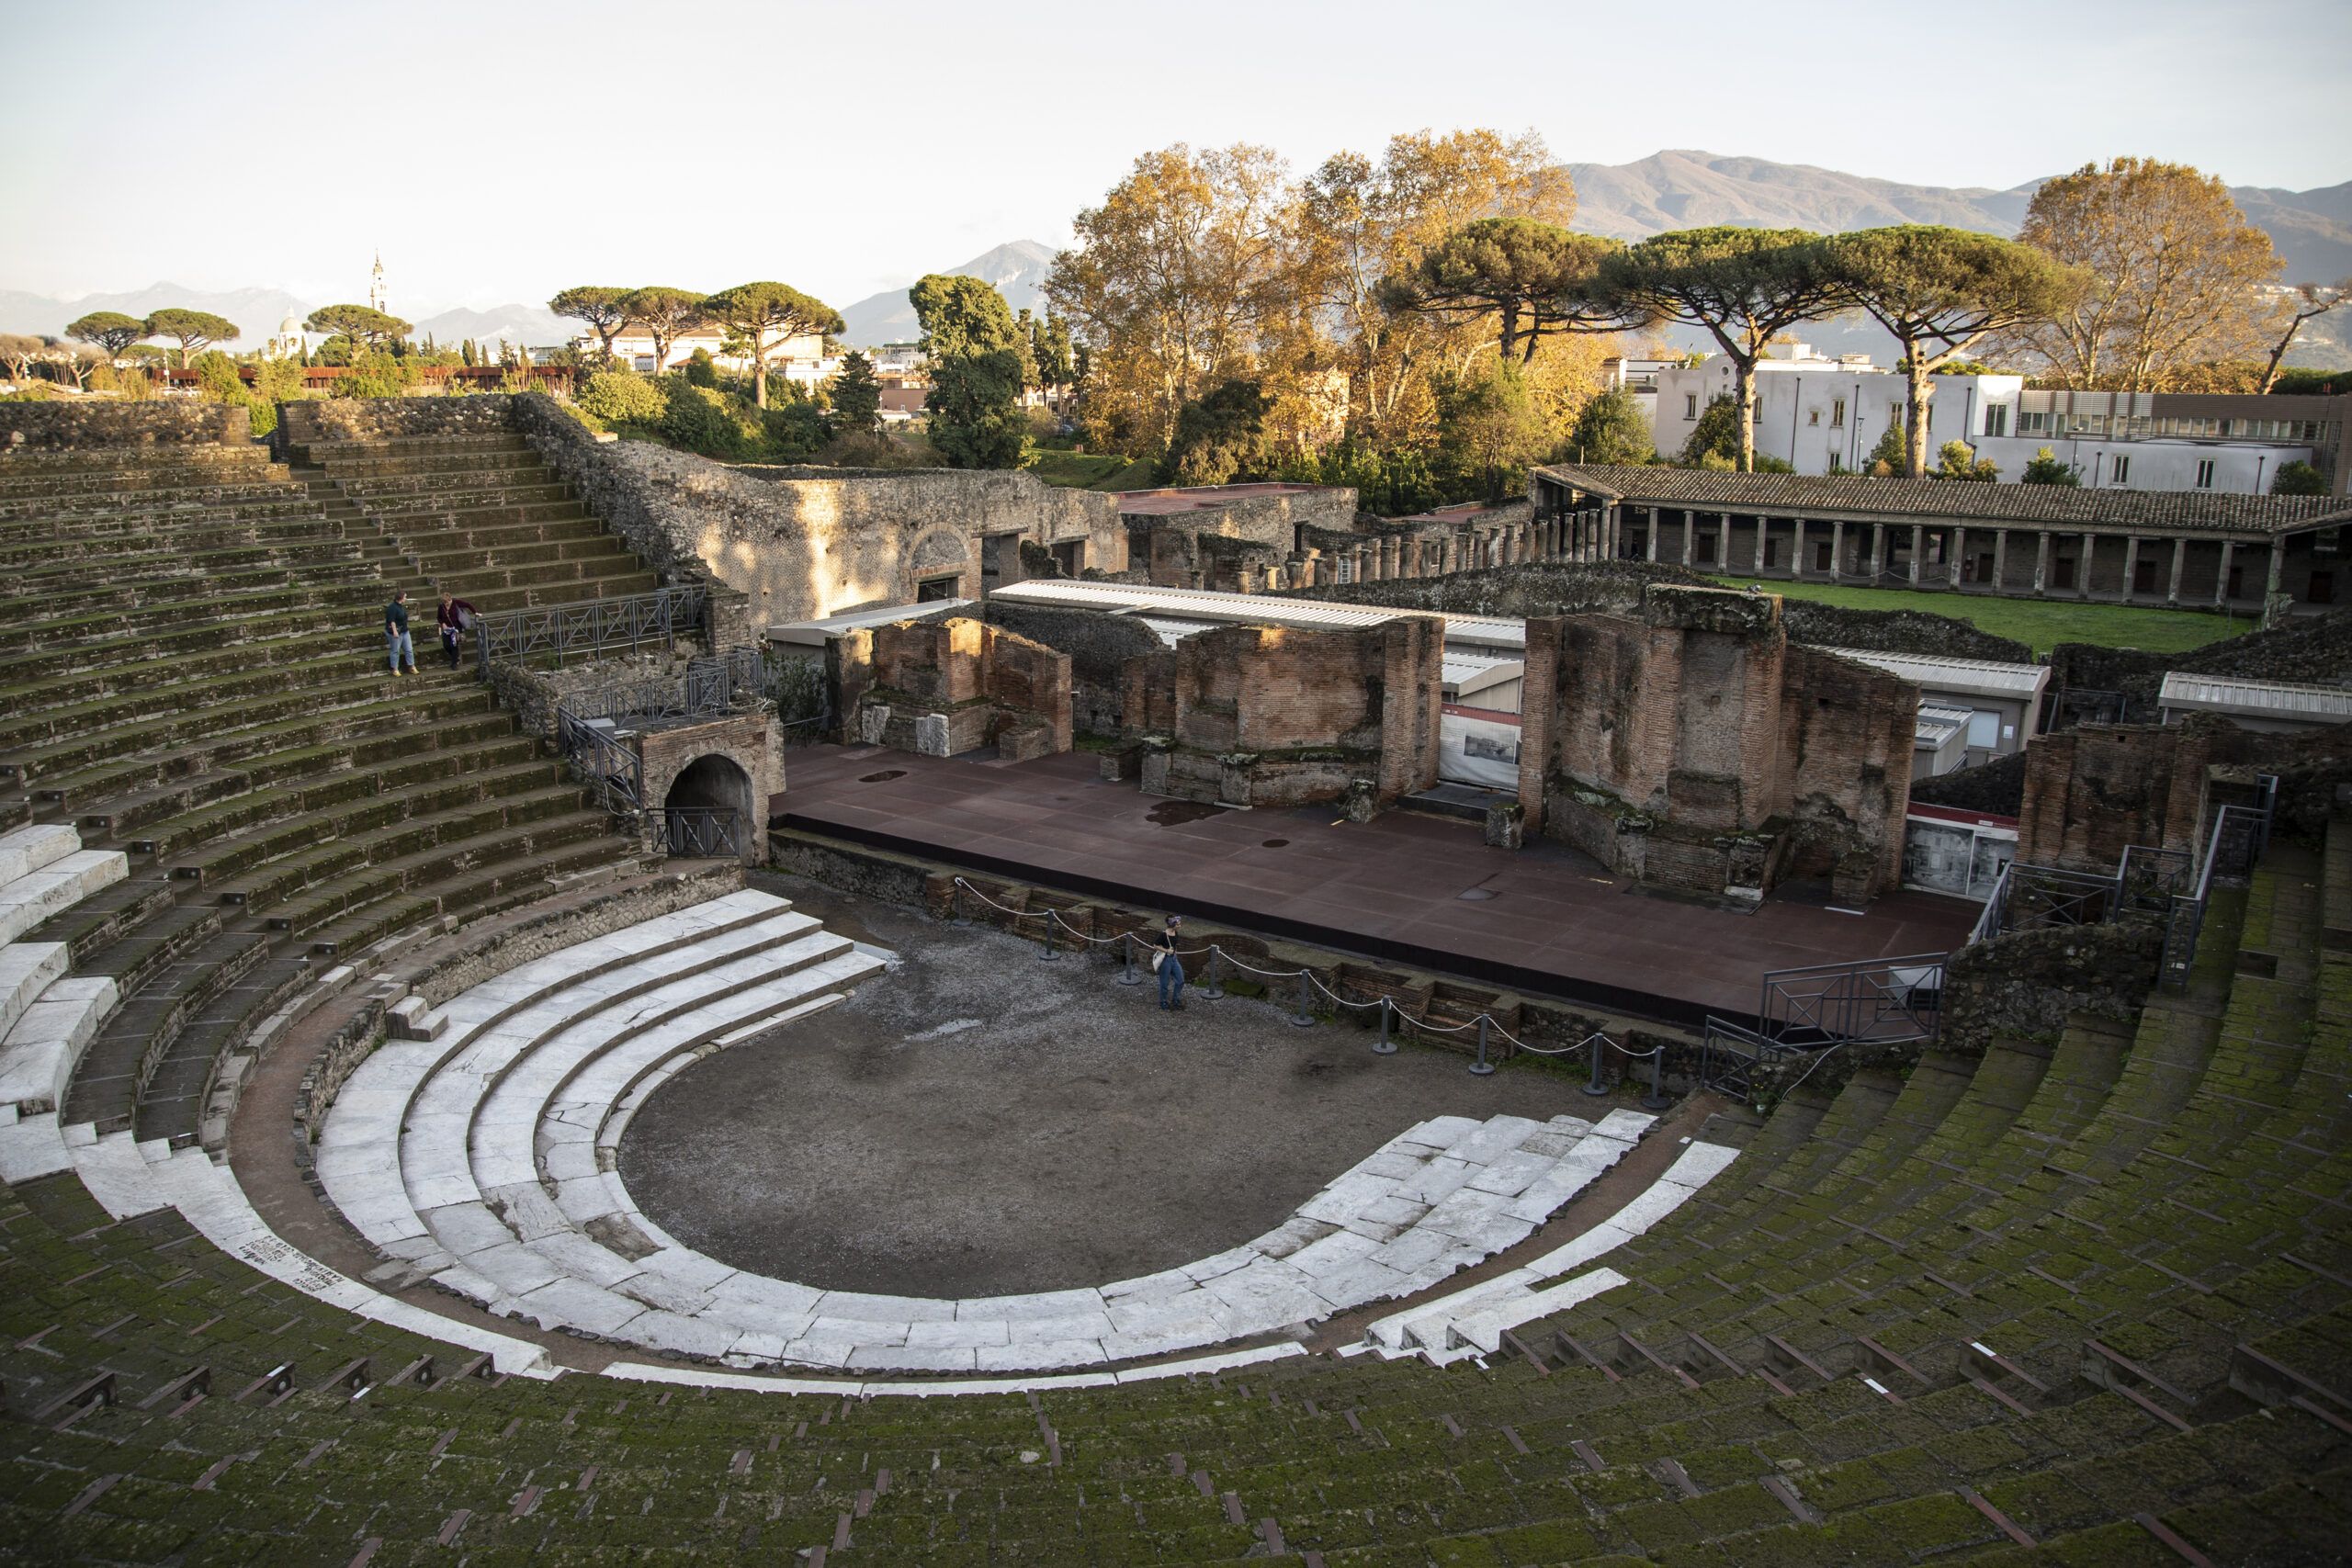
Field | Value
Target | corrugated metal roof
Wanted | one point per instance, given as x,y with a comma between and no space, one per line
816,632
1982,677
2227,694
1248,609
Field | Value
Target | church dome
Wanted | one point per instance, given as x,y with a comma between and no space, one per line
291,326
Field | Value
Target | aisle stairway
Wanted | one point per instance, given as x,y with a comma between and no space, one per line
360,1449
214,702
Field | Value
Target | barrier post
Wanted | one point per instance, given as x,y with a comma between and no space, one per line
1387,1047
1052,920
1212,984
1302,1018
1130,978
1482,1067
1596,1086
960,919
1656,1099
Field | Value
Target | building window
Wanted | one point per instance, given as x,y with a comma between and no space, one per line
1996,420
1984,730
1690,405
2205,473
933,588
2032,423
1812,416
2122,474
1821,555
1836,414
1706,553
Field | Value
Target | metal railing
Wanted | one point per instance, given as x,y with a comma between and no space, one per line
703,832
1886,1000
2172,887
1730,1056
590,627
608,767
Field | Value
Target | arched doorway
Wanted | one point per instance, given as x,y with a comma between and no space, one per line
710,812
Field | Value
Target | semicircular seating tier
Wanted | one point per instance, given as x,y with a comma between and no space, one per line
483,1158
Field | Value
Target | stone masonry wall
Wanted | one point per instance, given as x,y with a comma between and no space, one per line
2313,649
1099,646
1997,786
1270,716
376,419
971,682
158,422
1850,730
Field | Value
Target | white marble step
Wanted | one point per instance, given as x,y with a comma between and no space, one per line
500,995
358,1146
434,1159
1483,1329
26,901
26,970
39,1054
499,1139
24,851
1325,1258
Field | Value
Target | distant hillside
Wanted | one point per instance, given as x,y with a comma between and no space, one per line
1018,270
258,311
534,326
1683,189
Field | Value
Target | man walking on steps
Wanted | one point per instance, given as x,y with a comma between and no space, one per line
1169,967
397,646
452,618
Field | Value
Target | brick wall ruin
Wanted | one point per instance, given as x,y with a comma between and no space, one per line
1695,747
1265,716
945,687
1100,647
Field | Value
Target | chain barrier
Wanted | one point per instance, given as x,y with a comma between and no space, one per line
1485,1023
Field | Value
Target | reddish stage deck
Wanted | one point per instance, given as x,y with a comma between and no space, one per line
1408,887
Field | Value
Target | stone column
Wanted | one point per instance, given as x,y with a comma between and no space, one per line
2090,551
1690,534
1651,552
1836,549
2041,562
1918,549
2000,560
2130,564
2277,567
1796,548
1956,549
1878,552
2221,575
2179,561
1389,566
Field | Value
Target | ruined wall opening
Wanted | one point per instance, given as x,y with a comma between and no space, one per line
712,811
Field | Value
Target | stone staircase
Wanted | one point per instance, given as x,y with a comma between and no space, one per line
1935,1253
212,702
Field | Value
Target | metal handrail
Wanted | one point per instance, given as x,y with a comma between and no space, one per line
594,626
611,768
703,832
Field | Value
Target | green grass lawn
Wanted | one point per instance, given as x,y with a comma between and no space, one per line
2040,623
1091,470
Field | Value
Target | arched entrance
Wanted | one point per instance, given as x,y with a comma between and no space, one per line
711,811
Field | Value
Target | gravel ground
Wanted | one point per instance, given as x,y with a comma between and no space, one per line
977,1122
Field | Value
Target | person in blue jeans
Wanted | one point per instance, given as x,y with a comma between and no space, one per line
397,646
1170,966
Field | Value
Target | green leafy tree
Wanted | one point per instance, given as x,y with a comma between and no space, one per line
361,325
1744,286
110,331
601,310
1492,426
766,316
666,314
1939,292
2297,477
1612,428
1052,357
1717,432
216,380
2045,468
1220,437
1887,459
617,396
702,370
1958,460
1530,278
962,316
974,411
194,330
856,393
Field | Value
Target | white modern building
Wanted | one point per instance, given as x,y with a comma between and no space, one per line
801,359
1826,416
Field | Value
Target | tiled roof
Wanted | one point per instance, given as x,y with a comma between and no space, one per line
2057,506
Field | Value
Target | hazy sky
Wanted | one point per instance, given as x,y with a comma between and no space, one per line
498,150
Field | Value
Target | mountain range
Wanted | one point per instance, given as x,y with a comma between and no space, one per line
1671,189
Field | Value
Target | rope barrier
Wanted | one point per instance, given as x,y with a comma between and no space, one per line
1309,977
